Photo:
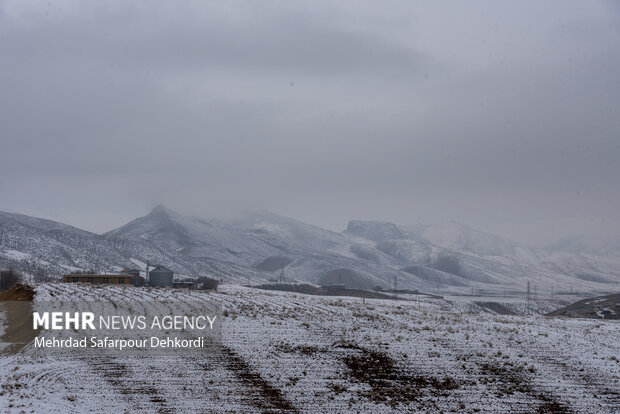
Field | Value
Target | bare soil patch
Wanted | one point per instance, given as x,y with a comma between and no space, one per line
263,395
18,292
118,375
496,307
322,291
511,379
390,384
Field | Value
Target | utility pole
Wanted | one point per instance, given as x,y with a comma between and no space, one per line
528,297
146,274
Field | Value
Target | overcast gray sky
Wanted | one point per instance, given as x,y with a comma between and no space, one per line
501,115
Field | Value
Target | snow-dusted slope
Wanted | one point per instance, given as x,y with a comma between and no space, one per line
30,245
489,262
254,237
448,257
599,246
285,352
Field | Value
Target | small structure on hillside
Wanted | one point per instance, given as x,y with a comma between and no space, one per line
131,271
102,279
138,280
161,276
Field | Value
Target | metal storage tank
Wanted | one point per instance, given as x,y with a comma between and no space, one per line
160,277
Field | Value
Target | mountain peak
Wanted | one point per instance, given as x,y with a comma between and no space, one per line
161,212
158,210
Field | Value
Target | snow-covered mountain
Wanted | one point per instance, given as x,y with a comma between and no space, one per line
31,244
262,246
255,242
593,245
485,260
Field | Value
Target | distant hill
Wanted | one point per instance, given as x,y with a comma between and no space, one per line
347,277
592,245
602,307
448,257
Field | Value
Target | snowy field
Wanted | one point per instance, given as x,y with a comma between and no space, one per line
288,352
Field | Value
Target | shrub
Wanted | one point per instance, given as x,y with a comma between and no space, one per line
8,278
41,275
207,283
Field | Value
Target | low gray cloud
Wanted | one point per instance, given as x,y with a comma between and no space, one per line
498,116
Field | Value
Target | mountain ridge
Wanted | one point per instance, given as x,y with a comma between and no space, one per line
448,257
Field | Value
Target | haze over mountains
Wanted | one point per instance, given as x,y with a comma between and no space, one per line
262,246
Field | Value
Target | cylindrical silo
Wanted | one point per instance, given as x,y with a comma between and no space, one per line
160,277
